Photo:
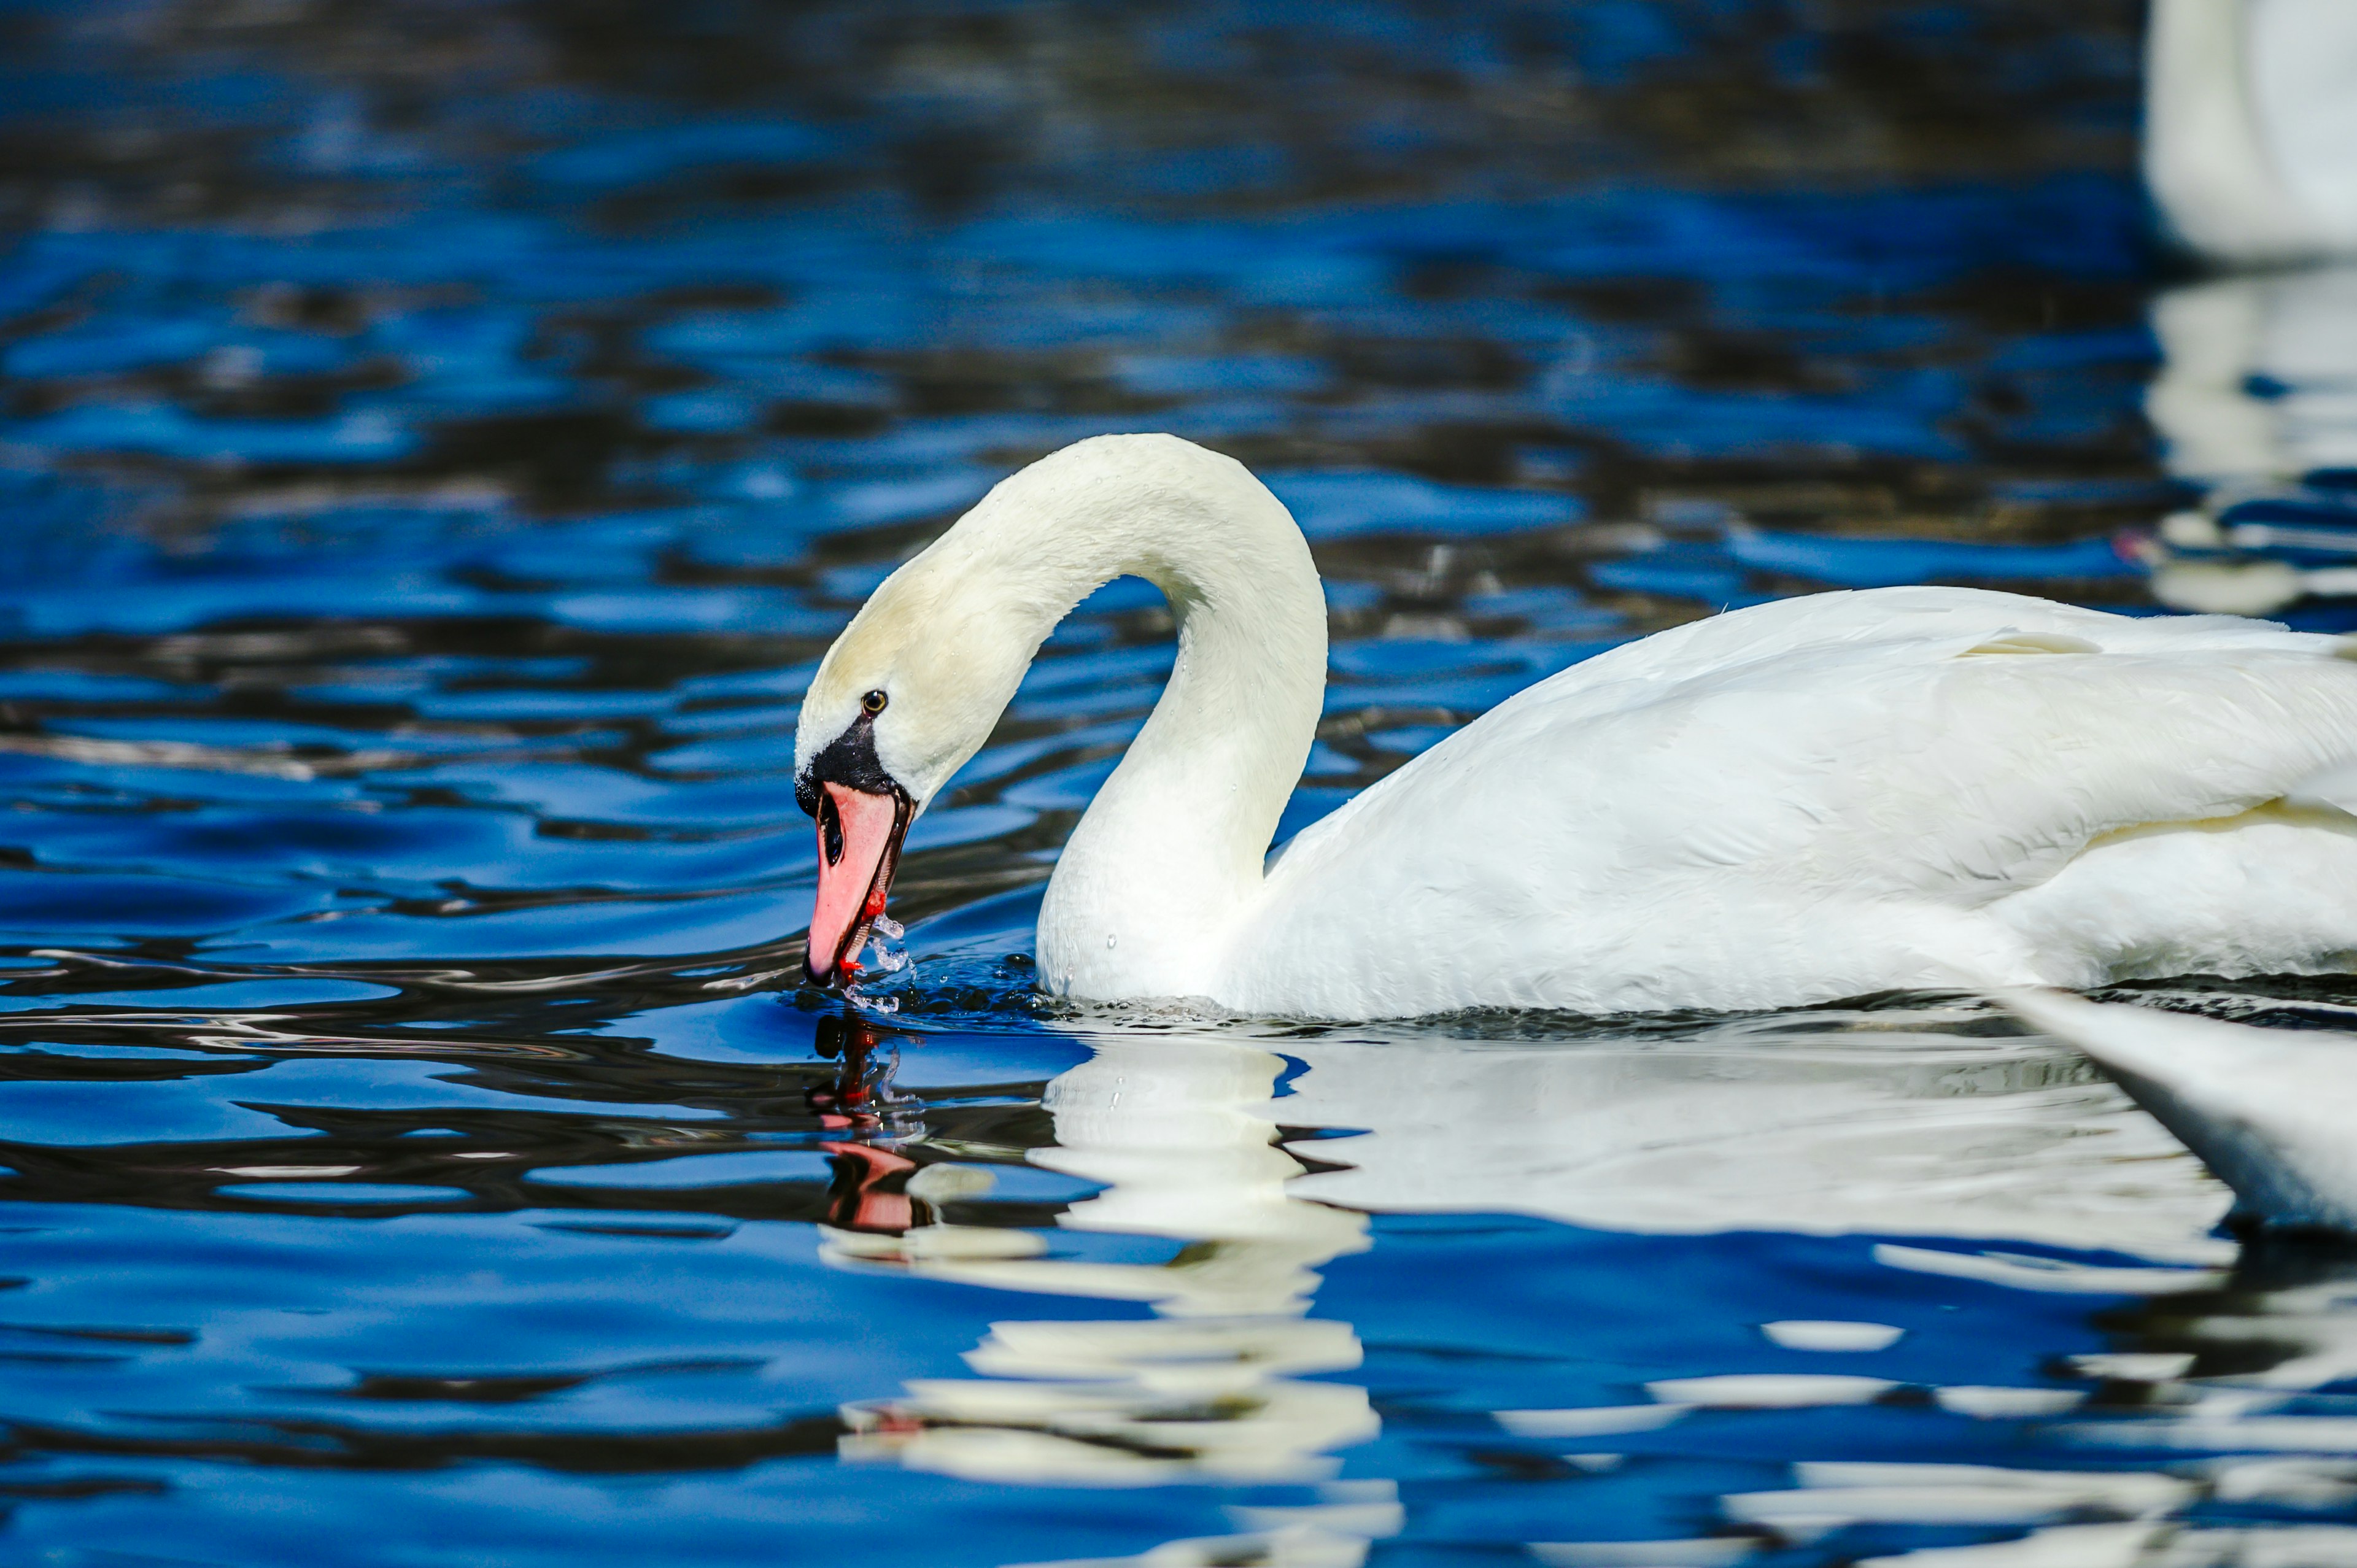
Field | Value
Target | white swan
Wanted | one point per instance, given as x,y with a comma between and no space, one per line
1805,801
2271,1111
2251,126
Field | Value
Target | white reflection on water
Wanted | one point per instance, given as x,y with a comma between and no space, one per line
1826,1124
2259,377
2258,388
1889,1125
1182,1131
2237,1378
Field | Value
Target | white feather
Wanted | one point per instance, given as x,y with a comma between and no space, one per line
1832,796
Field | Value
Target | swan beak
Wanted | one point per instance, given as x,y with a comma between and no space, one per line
859,835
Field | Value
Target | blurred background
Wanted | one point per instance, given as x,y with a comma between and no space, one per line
296,278
437,442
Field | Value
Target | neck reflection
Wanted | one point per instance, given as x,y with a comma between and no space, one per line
1218,1384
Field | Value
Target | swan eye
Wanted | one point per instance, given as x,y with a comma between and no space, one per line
874,702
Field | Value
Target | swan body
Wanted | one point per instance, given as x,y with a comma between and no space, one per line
2269,1111
2251,126
1805,801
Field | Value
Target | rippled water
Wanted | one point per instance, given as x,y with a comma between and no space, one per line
438,442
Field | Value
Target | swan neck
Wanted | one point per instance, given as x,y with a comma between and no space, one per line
1166,861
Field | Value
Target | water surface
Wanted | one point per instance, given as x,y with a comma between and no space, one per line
439,443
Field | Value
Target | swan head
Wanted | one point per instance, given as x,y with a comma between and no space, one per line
917,681
910,690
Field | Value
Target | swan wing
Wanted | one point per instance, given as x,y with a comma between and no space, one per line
1813,798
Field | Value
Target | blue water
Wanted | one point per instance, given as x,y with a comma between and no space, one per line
437,444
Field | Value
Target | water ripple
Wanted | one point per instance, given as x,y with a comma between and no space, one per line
436,446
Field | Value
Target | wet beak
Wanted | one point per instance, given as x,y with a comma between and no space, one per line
859,836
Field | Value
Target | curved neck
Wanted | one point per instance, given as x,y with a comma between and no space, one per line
1168,857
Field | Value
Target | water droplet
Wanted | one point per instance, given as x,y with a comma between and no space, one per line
881,954
886,953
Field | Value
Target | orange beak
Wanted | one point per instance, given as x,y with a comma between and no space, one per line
859,836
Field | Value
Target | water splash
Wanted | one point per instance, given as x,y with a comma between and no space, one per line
885,951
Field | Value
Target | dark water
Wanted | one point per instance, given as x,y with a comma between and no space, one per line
439,441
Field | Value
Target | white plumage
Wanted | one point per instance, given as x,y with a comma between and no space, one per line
1835,795
1810,800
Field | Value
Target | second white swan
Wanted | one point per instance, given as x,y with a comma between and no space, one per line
1816,799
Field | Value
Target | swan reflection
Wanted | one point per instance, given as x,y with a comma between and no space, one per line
1253,1164
1821,1124
1182,1132
2259,375
2256,401
1967,1153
